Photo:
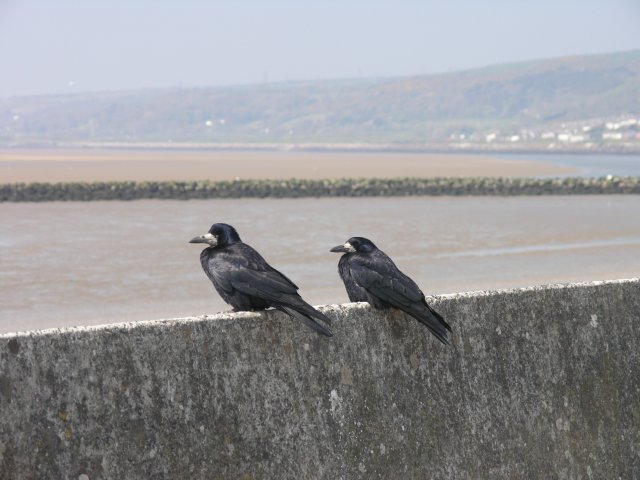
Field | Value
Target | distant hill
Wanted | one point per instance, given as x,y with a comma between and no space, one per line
535,95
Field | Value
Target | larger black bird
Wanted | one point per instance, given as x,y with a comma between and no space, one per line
369,275
247,282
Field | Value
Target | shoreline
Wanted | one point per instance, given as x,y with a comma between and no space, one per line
622,148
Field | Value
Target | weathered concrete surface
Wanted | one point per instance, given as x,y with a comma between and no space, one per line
539,383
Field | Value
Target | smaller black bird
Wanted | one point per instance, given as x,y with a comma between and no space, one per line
247,282
369,275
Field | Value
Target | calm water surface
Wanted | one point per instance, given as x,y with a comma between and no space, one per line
596,165
97,262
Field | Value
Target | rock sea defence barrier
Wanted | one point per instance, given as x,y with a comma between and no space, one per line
540,382
297,188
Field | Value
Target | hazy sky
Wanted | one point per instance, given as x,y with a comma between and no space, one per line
59,46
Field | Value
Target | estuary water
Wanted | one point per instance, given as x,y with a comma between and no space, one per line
64,264
583,165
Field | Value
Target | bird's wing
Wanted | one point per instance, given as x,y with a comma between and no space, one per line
262,284
380,277
259,279
244,269
239,268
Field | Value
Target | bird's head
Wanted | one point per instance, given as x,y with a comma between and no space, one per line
219,235
356,244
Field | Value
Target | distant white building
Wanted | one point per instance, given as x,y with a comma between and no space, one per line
547,135
612,136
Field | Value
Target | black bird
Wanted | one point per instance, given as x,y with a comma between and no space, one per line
247,282
369,275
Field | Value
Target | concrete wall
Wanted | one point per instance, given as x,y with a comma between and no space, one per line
539,383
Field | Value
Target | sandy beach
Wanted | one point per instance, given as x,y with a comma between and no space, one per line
50,165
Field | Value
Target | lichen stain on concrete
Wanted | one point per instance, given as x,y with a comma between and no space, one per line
5,388
186,331
14,346
346,376
414,361
336,403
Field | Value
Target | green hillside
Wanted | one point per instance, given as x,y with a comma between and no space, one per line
531,95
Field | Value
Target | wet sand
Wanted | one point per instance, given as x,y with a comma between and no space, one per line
105,165
65,264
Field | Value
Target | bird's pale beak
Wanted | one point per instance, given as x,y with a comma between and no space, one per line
206,238
346,248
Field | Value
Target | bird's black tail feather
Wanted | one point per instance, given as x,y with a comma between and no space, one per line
311,317
433,321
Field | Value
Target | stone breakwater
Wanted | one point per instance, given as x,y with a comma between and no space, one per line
297,188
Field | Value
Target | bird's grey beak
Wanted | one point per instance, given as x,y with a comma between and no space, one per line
346,248
206,238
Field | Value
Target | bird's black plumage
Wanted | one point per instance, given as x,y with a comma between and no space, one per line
247,282
369,275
